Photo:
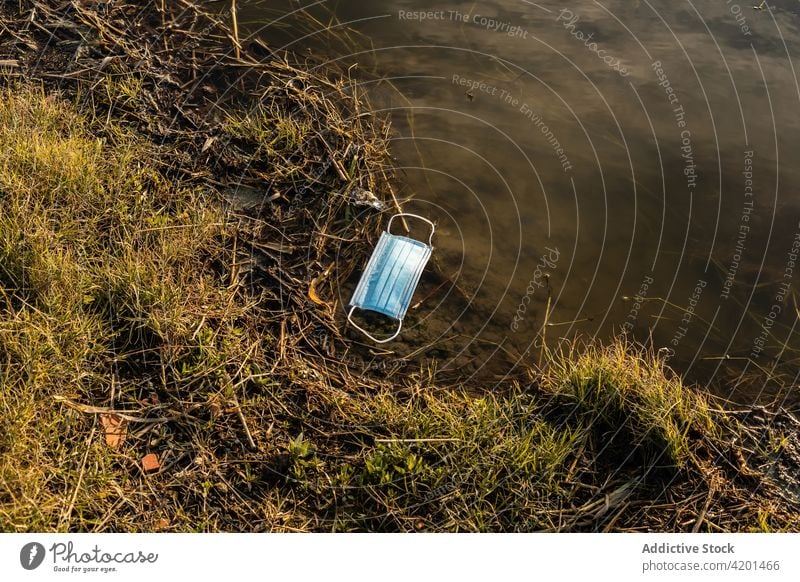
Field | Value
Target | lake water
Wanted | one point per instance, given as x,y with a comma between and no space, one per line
633,164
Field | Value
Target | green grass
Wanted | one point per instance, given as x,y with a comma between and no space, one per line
105,284
452,460
632,400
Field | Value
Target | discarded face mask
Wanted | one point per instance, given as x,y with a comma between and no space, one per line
391,276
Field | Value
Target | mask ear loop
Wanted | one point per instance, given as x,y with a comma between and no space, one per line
369,335
433,226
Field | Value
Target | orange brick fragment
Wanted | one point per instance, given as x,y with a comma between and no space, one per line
150,463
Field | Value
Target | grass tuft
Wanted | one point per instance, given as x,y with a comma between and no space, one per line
631,400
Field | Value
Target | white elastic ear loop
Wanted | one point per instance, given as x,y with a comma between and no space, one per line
433,226
370,336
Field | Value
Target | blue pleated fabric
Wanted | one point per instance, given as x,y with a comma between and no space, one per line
391,276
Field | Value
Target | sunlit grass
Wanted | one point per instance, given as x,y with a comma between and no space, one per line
632,399
101,260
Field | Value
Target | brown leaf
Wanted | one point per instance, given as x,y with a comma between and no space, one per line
116,429
216,409
312,289
312,294
150,463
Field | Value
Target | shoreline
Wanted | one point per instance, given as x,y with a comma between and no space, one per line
177,223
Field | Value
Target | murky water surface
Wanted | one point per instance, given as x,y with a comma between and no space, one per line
633,164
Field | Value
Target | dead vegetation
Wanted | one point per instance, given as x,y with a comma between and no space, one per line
176,221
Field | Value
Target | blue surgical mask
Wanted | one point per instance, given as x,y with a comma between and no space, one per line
391,276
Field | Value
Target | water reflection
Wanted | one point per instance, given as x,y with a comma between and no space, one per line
650,145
